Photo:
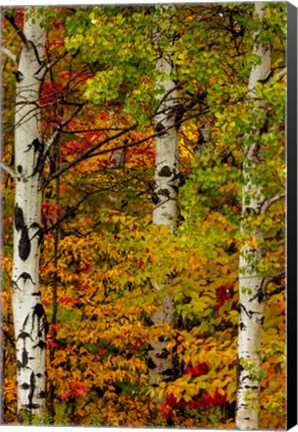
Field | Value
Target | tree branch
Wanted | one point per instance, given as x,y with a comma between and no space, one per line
10,54
267,204
276,291
88,153
280,75
55,61
19,31
8,170
51,141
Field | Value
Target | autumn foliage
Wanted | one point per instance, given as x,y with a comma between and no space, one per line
101,257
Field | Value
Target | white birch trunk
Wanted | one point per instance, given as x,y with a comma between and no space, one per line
164,213
251,289
30,323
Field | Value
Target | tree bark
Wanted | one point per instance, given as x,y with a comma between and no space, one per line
30,322
161,366
251,283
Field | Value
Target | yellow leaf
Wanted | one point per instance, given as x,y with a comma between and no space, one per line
254,243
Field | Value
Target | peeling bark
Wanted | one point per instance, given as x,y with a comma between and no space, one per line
30,323
251,284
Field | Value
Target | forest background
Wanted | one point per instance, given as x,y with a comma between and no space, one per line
102,252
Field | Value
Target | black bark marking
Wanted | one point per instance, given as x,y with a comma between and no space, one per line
36,294
14,285
42,323
175,188
42,395
179,178
36,144
26,320
41,344
41,63
25,360
177,112
38,311
151,364
242,326
155,199
239,369
164,192
250,210
260,320
38,233
32,388
266,78
25,386
38,147
19,169
32,406
24,244
40,161
25,276
168,372
24,335
160,129
163,354
259,295
240,306
19,76
39,375
165,172
34,225
18,217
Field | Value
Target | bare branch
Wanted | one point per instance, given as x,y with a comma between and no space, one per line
281,74
8,169
10,54
88,153
50,142
68,213
91,152
276,291
78,131
19,31
267,204
55,61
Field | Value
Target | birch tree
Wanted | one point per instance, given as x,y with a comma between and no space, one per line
30,322
165,209
255,203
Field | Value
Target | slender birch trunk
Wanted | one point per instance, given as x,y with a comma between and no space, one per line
164,213
30,322
251,284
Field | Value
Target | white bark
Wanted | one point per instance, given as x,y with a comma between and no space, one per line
9,54
164,212
251,284
166,160
29,316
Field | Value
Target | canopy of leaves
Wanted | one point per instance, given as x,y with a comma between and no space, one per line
102,257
